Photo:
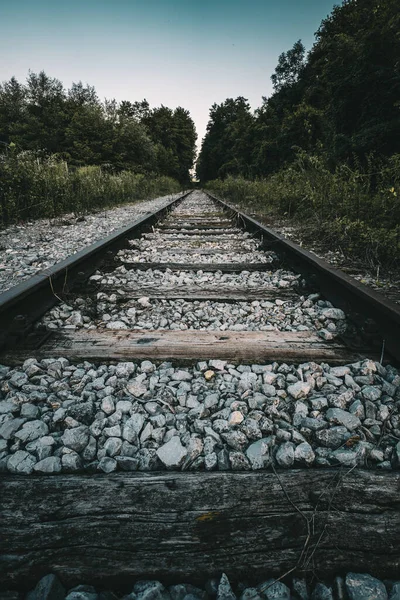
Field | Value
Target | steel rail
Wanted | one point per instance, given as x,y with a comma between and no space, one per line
355,298
23,304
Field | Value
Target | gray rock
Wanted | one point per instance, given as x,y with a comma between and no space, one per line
48,588
333,437
172,454
113,431
21,463
194,448
82,411
342,417
300,588
361,586
49,465
125,369
183,590
82,595
211,400
357,409
112,446
239,461
304,454
336,314
71,462
251,429
321,592
9,427
8,407
285,455
150,590
30,411
32,430
339,588
344,457
210,461
299,390
76,438
148,459
224,589
218,365
89,452
181,375
108,405
313,424
250,594
133,427
147,366
395,460
136,388
258,454
274,590
371,392
107,464
247,381
127,463
395,592
235,439
18,379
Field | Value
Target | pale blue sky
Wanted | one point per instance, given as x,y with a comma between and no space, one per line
190,53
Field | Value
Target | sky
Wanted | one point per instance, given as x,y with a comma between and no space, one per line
189,53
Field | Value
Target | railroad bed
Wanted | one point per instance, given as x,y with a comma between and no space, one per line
180,401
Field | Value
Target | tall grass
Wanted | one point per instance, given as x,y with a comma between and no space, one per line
34,186
355,210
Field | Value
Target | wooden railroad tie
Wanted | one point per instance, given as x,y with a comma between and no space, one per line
184,347
110,529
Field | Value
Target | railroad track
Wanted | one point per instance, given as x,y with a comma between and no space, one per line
197,340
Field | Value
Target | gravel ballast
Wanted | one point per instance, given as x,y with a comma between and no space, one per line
31,247
351,586
56,417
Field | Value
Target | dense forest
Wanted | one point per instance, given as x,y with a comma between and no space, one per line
52,139
326,144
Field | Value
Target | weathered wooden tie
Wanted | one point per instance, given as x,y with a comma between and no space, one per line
173,225
195,266
199,231
190,251
195,292
110,529
184,347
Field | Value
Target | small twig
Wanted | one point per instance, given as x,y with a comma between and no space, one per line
171,408
52,290
383,352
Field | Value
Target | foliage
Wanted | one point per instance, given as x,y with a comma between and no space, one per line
354,209
75,126
341,101
226,148
33,185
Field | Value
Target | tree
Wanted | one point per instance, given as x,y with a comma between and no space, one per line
289,67
227,146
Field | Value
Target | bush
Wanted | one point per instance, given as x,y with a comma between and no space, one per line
356,210
35,186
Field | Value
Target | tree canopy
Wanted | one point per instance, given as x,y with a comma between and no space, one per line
341,100
76,126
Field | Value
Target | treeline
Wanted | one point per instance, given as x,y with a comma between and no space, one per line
325,145
341,101
66,151
75,126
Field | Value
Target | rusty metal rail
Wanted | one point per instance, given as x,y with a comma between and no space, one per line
23,304
355,298
26,302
